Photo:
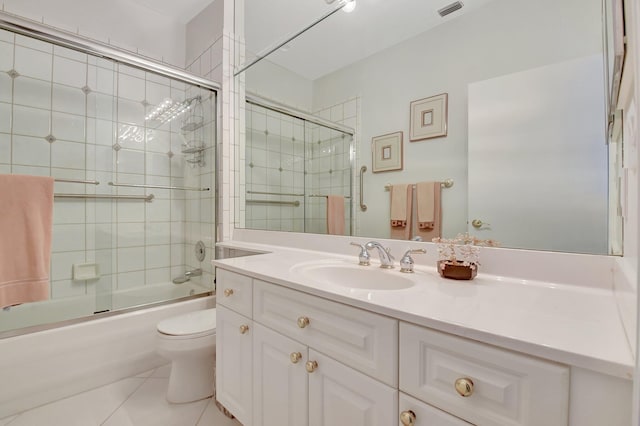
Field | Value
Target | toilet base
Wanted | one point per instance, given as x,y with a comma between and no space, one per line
191,379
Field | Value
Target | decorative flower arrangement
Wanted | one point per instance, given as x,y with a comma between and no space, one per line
459,257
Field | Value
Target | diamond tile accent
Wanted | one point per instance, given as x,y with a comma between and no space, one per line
145,103
266,132
13,73
279,169
50,138
117,147
251,165
86,90
170,154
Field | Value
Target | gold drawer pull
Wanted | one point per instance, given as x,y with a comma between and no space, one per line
311,366
464,386
244,329
295,357
408,418
228,292
303,322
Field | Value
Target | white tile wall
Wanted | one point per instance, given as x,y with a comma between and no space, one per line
95,111
276,160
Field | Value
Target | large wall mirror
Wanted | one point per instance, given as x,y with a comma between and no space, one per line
520,140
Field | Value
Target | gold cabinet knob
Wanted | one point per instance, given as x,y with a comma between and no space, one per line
295,357
464,386
244,328
303,322
408,418
311,366
228,292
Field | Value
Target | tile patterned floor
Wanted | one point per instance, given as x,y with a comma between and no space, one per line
135,401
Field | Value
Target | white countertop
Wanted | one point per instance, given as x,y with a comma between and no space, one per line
579,326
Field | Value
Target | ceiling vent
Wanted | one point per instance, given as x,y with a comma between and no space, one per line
450,8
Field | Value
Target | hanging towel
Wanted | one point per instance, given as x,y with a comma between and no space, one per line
429,210
335,214
26,215
401,201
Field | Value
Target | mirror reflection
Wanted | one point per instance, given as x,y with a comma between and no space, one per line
505,99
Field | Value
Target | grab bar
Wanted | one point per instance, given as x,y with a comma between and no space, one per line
288,194
282,203
147,198
346,197
363,206
179,188
86,182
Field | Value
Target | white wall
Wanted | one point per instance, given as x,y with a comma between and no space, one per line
547,153
122,23
488,44
274,82
204,42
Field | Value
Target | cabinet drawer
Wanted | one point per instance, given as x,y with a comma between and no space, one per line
362,340
425,414
508,389
234,291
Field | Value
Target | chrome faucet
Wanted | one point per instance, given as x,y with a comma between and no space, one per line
187,276
364,259
386,259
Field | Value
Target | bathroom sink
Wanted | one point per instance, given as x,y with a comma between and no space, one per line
352,275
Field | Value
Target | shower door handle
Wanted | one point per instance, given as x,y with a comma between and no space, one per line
363,206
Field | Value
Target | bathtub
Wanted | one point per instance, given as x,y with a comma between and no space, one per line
45,366
54,311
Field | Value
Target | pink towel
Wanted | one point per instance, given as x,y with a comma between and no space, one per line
26,215
401,202
335,214
429,210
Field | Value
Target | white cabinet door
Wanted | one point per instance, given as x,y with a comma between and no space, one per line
234,363
280,393
339,395
425,414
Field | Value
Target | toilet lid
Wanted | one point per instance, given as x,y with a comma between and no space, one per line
192,323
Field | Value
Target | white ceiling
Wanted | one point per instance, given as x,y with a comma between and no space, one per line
343,38
182,10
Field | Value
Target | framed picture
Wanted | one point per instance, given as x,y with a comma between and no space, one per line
428,118
387,152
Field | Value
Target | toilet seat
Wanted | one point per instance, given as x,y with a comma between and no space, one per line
189,326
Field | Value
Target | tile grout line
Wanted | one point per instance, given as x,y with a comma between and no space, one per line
129,396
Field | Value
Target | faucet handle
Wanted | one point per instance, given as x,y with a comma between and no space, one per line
406,263
364,258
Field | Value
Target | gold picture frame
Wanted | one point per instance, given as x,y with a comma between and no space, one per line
387,152
428,118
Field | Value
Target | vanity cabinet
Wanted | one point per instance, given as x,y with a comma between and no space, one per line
312,361
234,348
234,344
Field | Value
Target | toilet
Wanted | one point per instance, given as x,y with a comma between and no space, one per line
189,341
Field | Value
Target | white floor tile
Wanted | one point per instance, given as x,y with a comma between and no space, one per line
146,373
148,407
213,417
85,409
6,420
162,372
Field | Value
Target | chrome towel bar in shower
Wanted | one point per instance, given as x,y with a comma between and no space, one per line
179,188
282,203
87,182
147,198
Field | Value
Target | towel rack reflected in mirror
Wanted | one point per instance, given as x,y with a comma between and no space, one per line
282,203
447,183
325,196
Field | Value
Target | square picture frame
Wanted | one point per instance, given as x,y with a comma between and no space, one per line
387,152
428,118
